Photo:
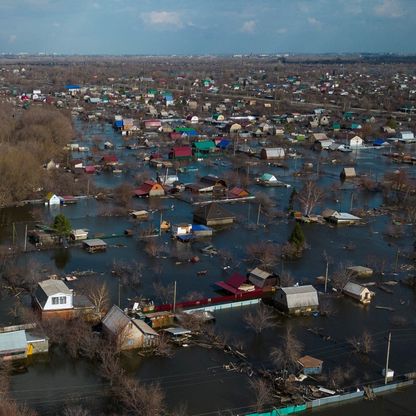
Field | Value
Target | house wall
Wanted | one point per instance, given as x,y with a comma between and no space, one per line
131,338
63,302
37,347
219,221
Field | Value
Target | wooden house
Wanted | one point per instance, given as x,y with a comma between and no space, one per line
297,300
94,245
261,278
129,333
213,214
358,292
237,192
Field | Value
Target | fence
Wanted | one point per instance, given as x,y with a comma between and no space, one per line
333,400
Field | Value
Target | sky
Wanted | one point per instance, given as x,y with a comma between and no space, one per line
190,27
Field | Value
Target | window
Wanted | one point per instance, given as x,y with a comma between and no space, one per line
62,300
55,301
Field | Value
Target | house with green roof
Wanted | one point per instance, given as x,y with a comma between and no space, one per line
203,149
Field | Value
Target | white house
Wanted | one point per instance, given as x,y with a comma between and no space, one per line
52,199
181,229
79,234
356,141
53,295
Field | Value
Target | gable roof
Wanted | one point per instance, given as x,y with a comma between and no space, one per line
51,287
115,320
212,211
300,296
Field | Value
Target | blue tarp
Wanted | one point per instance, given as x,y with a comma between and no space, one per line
223,144
118,123
72,87
200,227
378,142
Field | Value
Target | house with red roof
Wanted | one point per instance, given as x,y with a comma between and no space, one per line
181,153
149,188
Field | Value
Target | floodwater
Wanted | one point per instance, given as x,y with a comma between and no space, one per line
196,377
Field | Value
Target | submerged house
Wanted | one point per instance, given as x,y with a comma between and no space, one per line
181,153
310,365
348,173
297,300
358,292
150,188
236,284
203,149
336,217
270,153
129,333
261,278
213,214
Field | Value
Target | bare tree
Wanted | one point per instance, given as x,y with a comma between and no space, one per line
140,399
286,357
263,393
261,319
267,254
97,292
76,411
163,292
163,347
363,344
341,277
309,197
286,279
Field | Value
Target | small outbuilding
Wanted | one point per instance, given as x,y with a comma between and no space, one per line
270,153
358,292
310,365
262,279
297,300
348,173
94,245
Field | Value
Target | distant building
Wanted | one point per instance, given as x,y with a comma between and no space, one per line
310,365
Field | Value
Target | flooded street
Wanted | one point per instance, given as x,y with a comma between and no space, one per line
193,376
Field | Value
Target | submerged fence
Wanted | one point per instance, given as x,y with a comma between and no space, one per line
338,399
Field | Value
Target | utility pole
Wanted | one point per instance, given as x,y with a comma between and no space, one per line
397,260
174,296
352,199
25,237
258,214
14,234
119,292
160,223
387,358
326,274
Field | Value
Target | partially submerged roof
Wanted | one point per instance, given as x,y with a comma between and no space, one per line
177,331
212,211
354,288
95,242
309,362
115,320
11,342
144,328
300,296
261,274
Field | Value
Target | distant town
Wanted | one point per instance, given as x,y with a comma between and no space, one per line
205,235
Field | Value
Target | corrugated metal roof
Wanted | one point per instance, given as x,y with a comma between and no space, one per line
261,274
115,320
146,329
354,288
12,341
51,287
300,296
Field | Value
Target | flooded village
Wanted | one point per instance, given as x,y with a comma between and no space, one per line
206,235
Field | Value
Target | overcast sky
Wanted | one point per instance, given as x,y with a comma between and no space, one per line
206,26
